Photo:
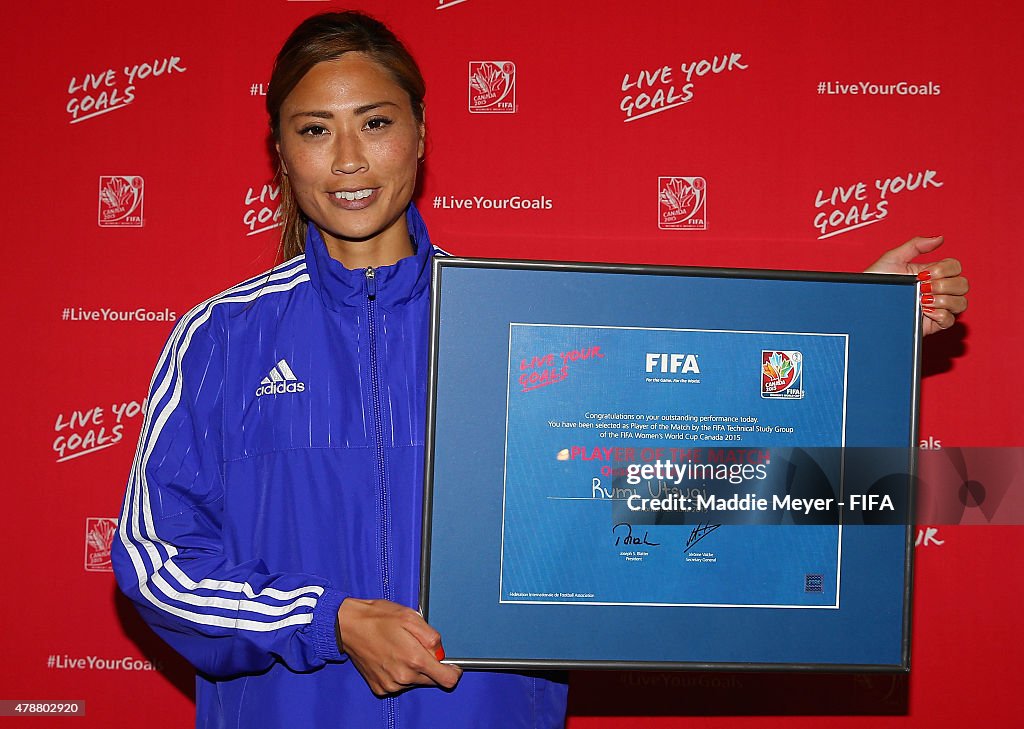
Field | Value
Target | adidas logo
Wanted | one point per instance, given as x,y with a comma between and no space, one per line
279,381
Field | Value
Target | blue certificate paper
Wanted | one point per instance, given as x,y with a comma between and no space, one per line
633,466
703,410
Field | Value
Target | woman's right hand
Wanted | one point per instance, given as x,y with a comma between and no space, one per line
392,646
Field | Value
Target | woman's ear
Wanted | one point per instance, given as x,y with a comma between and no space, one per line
422,148
280,158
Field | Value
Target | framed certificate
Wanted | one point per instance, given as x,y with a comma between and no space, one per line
638,466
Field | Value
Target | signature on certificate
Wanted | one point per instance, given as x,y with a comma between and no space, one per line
629,538
699,532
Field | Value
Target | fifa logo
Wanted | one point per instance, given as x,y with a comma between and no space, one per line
673,363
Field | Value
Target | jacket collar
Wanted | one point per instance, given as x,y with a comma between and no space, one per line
342,288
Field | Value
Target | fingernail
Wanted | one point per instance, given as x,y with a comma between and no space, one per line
925,275
439,654
927,299
926,287
928,309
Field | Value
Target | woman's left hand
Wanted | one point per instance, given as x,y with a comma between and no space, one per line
943,289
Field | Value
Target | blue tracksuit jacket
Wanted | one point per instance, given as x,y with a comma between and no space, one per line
279,470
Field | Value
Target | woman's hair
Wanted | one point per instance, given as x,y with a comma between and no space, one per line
327,37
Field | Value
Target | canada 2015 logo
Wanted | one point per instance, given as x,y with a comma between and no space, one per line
682,203
99,536
121,198
782,374
492,87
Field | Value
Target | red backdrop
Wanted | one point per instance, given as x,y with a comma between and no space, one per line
805,135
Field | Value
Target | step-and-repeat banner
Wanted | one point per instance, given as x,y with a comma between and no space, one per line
799,135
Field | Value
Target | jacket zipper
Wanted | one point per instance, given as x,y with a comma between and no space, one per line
385,520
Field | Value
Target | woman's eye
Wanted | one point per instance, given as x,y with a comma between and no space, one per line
377,122
313,130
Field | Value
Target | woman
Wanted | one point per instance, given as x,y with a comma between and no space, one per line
271,526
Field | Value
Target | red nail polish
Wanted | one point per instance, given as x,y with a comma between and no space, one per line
926,287
925,275
439,654
927,300
928,309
